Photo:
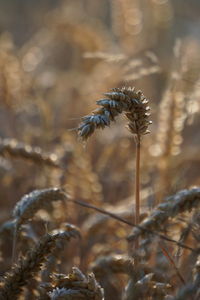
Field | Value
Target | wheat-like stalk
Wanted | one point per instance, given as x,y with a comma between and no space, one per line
146,287
27,267
183,201
26,208
113,264
139,283
76,286
135,106
16,149
54,257
133,103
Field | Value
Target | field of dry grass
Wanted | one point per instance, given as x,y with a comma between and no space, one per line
91,209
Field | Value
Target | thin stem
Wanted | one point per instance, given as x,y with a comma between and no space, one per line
137,181
118,218
170,259
14,242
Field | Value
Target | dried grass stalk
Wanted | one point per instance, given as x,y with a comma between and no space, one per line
135,106
15,149
183,201
27,267
26,208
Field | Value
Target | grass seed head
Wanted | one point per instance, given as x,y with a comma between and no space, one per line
26,208
133,103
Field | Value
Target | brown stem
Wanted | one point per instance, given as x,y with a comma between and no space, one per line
170,259
137,181
137,185
118,218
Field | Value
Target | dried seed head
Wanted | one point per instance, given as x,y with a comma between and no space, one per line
76,286
146,287
28,266
183,201
114,264
32,202
133,103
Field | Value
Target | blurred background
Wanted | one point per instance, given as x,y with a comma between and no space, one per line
56,60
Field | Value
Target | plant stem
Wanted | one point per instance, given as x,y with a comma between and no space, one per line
137,184
118,218
170,259
14,242
137,181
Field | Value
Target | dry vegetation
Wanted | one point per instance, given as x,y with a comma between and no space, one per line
68,224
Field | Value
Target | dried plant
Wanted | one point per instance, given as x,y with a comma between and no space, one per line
127,100
146,287
183,201
31,203
135,106
113,264
26,208
76,286
27,267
